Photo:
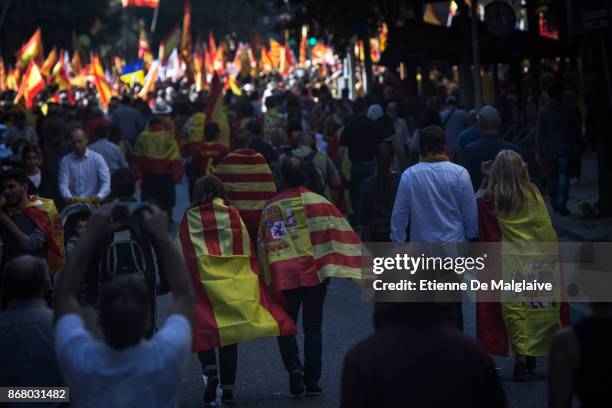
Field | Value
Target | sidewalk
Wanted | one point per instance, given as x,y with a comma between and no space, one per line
576,226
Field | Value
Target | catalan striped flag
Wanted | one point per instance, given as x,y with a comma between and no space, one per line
232,302
43,213
303,240
528,248
249,183
156,152
30,50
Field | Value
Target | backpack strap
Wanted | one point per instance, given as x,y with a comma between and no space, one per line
448,118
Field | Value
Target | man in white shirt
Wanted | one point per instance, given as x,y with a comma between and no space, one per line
83,173
124,370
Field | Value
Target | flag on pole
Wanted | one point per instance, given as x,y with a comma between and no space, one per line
3,86
133,73
303,45
168,44
49,63
100,81
149,81
31,84
30,50
144,50
212,47
140,3
233,304
186,53
215,111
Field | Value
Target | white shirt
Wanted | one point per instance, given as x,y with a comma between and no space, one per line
84,177
145,375
438,201
36,179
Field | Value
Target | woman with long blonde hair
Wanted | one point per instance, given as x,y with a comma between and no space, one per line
511,211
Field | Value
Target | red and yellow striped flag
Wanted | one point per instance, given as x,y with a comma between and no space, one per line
43,213
303,239
49,63
232,302
3,86
156,152
149,81
140,3
100,81
249,183
186,52
31,84
30,50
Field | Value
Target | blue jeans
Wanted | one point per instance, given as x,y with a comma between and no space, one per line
312,318
557,158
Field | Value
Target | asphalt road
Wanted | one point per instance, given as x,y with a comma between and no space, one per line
262,381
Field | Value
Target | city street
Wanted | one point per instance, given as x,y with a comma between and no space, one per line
262,381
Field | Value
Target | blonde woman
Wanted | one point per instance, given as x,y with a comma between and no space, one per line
512,210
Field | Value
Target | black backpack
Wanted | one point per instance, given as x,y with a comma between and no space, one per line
314,178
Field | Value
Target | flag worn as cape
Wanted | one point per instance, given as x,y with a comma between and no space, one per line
43,213
526,238
194,134
249,183
215,110
303,240
30,50
156,152
232,302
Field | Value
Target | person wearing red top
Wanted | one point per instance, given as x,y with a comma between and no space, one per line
206,155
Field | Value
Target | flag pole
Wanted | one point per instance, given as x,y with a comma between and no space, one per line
154,22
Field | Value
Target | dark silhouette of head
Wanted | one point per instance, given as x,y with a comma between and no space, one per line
25,277
125,311
294,172
433,140
123,183
211,131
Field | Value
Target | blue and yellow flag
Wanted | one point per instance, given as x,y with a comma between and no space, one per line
133,73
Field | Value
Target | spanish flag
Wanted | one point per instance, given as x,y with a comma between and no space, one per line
31,84
215,110
100,81
232,303
303,239
527,247
3,85
156,152
186,52
194,135
43,213
49,63
30,50
249,183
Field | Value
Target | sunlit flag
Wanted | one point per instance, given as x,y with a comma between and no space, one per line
140,3
31,84
30,50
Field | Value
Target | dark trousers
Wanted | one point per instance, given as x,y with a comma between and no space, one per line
359,172
228,363
557,158
312,298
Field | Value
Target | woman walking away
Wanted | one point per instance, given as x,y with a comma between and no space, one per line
511,211
232,303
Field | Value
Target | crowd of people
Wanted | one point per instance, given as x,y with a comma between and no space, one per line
273,216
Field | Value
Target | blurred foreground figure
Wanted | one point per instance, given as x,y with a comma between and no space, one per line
27,358
416,358
124,369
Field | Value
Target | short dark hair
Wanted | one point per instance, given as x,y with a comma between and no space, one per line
125,310
102,131
254,127
294,172
25,277
123,183
211,131
15,174
29,149
432,140
242,140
